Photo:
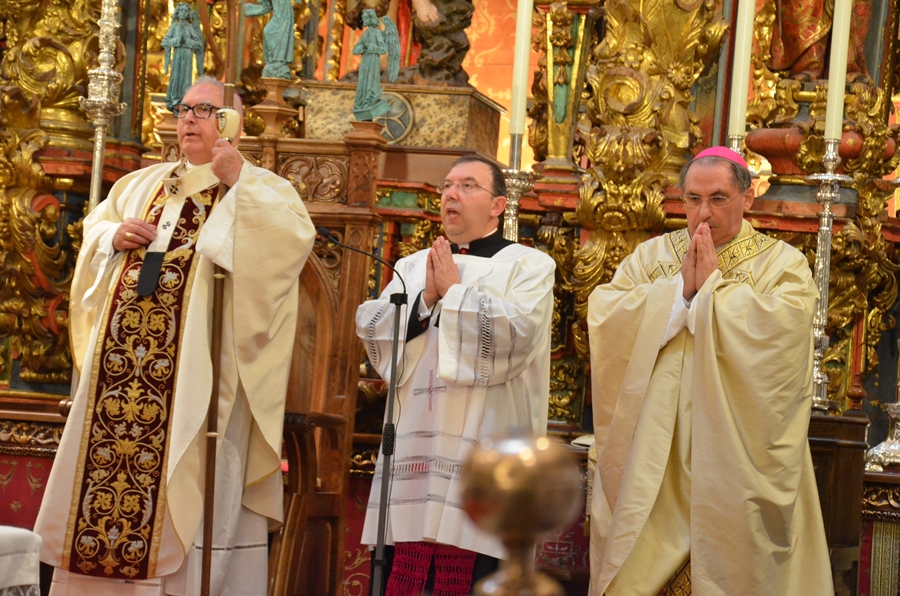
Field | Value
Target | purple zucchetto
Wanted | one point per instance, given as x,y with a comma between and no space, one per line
724,153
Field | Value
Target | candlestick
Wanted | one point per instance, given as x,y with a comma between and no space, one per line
837,69
518,182
828,194
740,68
521,62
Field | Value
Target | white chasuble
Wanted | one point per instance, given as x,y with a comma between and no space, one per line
482,367
260,233
702,450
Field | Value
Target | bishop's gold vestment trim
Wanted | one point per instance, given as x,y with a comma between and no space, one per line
730,256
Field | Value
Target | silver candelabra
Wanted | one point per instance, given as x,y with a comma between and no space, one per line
829,193
518,182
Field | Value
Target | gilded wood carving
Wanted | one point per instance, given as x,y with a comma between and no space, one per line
642,128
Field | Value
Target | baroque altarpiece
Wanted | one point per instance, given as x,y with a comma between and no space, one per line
623,93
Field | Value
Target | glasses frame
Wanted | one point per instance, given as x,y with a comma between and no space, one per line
689,205
212,110
446,185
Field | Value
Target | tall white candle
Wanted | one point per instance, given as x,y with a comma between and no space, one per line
837,69
521,61
740,68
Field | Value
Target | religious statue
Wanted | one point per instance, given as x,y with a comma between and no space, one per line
278,36
372,45
800,38
444,45
438,28
182,44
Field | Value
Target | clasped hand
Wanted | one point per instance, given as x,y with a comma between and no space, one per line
440,272
699,262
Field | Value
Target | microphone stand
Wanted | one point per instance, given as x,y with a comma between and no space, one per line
388,435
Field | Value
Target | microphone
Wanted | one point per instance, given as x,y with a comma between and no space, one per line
388,433
324,233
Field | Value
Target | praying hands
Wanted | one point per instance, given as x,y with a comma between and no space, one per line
440,272
699,262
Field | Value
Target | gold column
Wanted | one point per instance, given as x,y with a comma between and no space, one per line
563,37
44,143
639,81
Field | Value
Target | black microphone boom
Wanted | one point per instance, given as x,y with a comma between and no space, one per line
327,235
388,434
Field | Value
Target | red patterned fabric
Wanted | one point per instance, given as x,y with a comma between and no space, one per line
118,521
410,569
453,569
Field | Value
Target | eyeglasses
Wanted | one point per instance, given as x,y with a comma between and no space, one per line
714,202
201,110
464,188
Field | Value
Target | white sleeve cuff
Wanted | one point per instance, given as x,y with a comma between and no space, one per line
678,315
100,267
424,311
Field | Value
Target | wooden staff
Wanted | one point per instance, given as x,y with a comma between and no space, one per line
232,13
203,11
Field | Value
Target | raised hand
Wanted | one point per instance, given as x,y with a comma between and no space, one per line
706,255
226,162
688,271
430,295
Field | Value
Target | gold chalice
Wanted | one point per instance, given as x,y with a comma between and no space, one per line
518,488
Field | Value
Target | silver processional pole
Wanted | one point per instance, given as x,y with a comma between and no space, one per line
102,103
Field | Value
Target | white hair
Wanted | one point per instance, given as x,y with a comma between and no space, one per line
214,82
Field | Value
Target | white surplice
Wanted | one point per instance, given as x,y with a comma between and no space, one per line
484,370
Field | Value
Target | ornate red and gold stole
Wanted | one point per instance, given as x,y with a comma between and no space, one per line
118,512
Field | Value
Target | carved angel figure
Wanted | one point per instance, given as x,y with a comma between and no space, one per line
278,36
371,45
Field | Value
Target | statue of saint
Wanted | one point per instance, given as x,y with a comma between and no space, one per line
801,34
438,30
278,36
372,45
182,44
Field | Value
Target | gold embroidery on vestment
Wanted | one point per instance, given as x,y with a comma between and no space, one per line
118,512
730,256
